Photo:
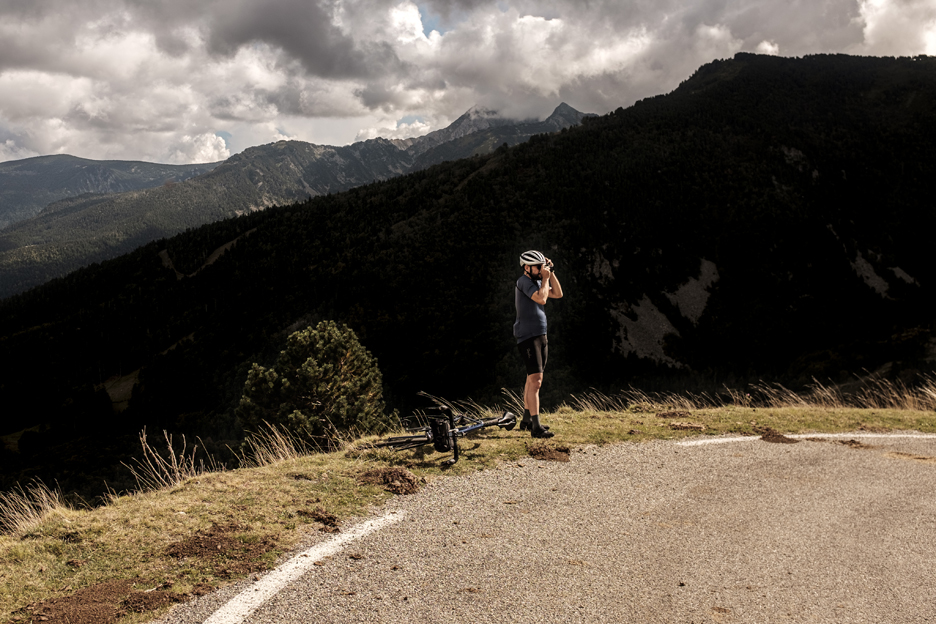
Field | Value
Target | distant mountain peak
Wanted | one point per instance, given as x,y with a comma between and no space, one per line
564,116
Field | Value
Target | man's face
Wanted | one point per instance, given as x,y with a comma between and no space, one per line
536,270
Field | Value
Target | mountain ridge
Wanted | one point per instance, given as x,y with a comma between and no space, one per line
61,176
79,230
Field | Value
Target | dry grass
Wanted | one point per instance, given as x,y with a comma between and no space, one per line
22,510
272,499
155,472
869,392
272,445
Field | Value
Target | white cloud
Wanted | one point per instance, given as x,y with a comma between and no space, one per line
406,22
158,80
9,150
400,131
204,148
715,41
31,94
898,27
768,47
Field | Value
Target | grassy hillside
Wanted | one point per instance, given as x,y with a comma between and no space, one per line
769,218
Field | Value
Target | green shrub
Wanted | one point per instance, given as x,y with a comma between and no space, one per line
323,385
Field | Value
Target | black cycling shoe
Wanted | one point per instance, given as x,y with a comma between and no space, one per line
542,432
527,425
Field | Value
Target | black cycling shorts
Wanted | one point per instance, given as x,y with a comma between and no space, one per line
534,351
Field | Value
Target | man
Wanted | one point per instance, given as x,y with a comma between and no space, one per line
535,287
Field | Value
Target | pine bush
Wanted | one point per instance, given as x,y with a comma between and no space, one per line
324,385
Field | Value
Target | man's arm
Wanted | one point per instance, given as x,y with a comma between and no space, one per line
556,291
550,288
541,295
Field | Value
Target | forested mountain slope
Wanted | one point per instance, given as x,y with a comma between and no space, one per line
77,231
769,218
29,185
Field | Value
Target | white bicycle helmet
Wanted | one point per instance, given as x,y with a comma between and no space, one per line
532,257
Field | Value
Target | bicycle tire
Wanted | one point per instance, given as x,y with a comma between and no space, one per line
398,443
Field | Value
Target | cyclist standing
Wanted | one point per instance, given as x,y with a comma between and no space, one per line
537,285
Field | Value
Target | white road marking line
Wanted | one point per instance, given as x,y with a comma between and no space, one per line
242,605
921,436
705,441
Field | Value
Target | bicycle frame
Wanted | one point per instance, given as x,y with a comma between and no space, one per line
444,430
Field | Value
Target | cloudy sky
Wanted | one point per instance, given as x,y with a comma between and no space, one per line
182,81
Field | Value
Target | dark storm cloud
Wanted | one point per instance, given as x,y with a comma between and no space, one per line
302,29
306,31
91,76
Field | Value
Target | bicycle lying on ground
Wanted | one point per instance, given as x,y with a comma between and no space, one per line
443,429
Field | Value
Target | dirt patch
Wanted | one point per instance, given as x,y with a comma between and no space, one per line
774,436
686,426
98,604
143,601
911,457
673,415
849,443
227,554
329,521
541,450
393,479
854,444
104,603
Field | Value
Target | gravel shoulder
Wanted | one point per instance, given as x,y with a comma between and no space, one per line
817,531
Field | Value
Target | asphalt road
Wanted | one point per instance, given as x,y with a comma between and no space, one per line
745,531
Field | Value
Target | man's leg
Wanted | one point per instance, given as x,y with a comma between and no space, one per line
534,353
531,392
